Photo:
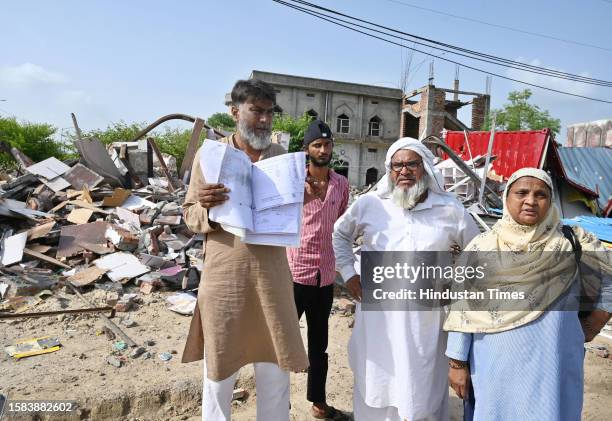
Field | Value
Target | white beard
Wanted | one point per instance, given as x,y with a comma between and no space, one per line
256,142
408,198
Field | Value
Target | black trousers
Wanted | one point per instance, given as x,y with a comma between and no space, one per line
316,302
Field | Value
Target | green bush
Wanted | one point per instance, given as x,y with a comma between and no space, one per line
116,132
35,140
295,128
222,121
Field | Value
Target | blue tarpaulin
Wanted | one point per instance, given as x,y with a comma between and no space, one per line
601,227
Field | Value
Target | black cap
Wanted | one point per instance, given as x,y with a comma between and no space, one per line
317,130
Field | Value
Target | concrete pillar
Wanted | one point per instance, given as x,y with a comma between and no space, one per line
294,97
360,117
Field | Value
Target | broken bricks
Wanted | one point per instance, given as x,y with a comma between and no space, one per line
81,226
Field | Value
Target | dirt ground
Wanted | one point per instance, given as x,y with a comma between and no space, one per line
152,389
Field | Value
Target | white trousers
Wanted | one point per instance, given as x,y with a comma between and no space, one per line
272,387
363,412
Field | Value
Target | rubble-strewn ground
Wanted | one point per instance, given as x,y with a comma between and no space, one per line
150,389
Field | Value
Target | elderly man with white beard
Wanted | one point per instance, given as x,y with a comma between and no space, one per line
246,312
397,357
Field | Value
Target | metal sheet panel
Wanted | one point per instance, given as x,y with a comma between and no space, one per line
514,150
590,168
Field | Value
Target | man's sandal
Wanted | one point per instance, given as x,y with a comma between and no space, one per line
332,414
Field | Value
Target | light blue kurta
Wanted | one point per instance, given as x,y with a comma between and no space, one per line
533,372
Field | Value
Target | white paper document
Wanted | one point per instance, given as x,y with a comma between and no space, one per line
265,198
279,180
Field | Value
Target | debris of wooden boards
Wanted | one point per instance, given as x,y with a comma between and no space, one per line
67,222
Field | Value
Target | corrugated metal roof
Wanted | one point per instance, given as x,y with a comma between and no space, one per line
601,227
590,168
514,150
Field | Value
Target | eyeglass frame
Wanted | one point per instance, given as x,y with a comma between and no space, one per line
410,165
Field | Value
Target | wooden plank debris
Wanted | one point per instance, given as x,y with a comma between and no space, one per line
40,248
119,196
40,231
192,147
160,158
80,216
86,205
45,258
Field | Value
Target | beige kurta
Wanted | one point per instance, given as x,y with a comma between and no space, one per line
246,312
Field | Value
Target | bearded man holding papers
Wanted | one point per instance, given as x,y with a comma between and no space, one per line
245,312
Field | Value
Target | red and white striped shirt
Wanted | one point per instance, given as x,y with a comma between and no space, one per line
316,252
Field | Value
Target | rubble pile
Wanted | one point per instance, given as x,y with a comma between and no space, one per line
111,220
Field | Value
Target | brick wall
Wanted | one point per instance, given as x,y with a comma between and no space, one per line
480,109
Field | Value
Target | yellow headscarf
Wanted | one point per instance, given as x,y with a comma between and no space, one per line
533,259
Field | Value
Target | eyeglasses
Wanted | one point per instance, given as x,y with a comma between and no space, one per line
410,165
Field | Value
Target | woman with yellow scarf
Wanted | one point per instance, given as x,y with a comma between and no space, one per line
527,363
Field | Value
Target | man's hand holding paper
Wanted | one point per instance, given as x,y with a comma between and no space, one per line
212,195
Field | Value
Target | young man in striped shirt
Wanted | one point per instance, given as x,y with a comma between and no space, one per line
313,264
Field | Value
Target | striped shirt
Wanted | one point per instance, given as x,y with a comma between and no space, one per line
316,252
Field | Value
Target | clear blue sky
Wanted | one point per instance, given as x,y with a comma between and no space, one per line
137,60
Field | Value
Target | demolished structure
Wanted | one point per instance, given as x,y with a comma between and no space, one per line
111,219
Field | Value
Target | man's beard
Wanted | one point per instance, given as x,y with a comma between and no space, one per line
256,142
409,197
320,162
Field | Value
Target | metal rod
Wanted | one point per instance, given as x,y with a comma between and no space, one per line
176,116
435,141
487,161
55,313
112,326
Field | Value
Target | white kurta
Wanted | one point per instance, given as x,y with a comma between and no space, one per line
397,357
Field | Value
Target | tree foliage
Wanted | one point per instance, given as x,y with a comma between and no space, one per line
295,127
222,121
35,140
116,132
519,114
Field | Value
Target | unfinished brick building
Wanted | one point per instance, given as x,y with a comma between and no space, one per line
432,112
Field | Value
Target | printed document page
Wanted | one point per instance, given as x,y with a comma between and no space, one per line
279,180
279,220
224,164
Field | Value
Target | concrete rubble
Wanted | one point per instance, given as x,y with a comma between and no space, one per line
110,220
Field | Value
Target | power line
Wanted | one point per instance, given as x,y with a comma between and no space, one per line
332,20
444,46
514,65
495,25
313,13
